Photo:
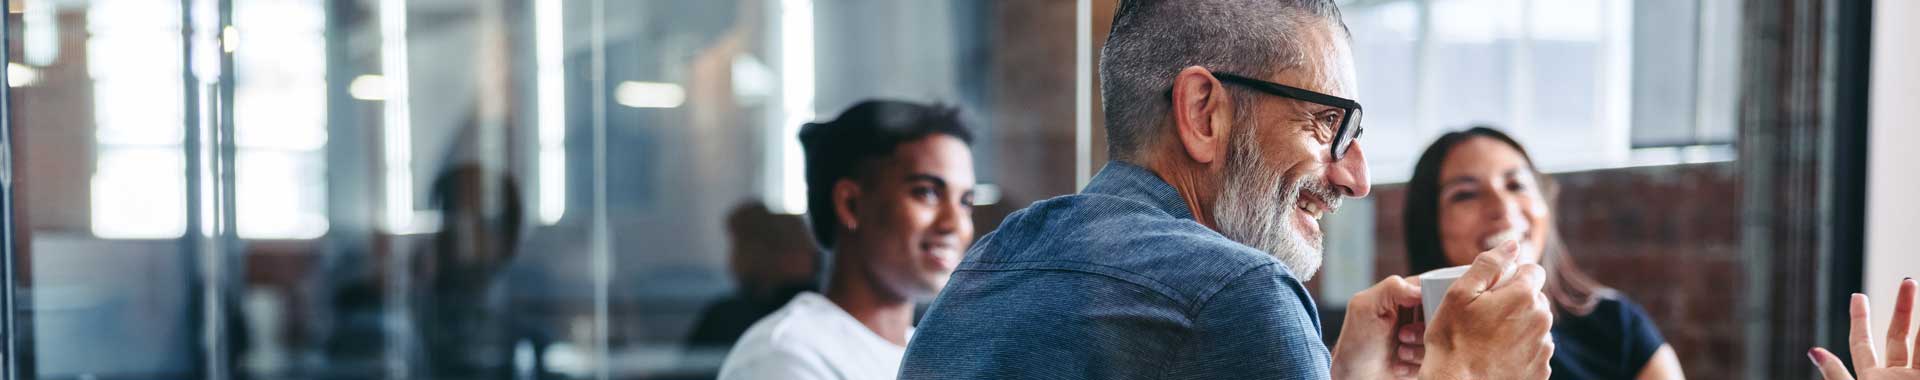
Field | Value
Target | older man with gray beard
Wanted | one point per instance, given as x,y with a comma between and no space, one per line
1233,129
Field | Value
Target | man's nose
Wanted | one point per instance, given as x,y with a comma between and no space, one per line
1349,174
951,218
962,216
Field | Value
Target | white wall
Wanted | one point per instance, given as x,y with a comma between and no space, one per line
1893,208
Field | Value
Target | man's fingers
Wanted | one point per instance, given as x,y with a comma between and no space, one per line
1830,367
1542,359
1529,278
1897,346
1488,270
1413,333
1522,295
1401,292
1859,340
1405,371
1410,355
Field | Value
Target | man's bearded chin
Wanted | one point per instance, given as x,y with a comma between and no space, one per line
1250,211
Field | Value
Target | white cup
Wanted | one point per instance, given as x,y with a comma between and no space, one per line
1433,288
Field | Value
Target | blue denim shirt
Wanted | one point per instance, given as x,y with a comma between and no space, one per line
1118,282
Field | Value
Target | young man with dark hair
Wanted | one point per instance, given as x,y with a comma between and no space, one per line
889,192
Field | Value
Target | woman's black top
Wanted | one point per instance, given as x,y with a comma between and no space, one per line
1614,342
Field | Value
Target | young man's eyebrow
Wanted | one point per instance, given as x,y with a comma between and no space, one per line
929,177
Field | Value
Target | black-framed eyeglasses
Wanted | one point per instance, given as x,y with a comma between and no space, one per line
1347,128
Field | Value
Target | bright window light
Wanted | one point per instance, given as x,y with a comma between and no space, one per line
229,38
397,157
550,77
40,33
650,95
19,75
157,210
138,189
796,94
280,117
369,87
1555,74
280,194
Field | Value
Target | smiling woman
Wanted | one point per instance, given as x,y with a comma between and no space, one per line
1475,189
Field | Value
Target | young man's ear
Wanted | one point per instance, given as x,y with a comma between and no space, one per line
845,191
1201,114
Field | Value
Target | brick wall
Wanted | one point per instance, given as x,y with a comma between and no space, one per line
1666,236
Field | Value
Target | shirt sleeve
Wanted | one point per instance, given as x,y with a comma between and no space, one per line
1260,326
775,364
1642,336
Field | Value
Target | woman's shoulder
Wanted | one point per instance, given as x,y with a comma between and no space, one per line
1617,306
1613,314
1626,319
1616,325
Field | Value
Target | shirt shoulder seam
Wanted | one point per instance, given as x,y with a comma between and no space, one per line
1102,270
1208,297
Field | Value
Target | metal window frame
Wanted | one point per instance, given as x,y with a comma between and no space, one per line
7,362
1849,55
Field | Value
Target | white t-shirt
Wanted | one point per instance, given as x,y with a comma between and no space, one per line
812,338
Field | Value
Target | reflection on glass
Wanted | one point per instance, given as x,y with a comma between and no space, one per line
797,92
134,51
280,119
410,179
155,213
550,52
771,259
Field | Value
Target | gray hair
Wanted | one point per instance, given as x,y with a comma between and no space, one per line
1152,40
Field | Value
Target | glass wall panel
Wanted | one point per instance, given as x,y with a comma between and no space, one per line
467,189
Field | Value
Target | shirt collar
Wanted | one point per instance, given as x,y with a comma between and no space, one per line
1126,180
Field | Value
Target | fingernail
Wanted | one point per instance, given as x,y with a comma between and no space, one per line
1813,355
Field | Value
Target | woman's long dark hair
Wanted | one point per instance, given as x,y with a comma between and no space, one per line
1571,290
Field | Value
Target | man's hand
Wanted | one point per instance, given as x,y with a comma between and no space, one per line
1901,353
1493,323
1413,347
1367,345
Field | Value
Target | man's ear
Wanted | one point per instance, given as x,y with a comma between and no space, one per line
845,191
1201,114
